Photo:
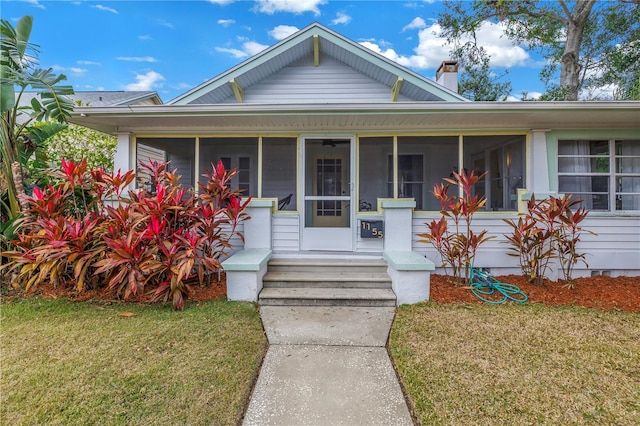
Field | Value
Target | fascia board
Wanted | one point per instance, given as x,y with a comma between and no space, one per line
403,107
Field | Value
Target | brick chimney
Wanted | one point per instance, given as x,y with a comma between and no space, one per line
447,75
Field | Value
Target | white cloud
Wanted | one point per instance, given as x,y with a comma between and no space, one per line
249,48
294,6
283,31
252,47
145,81
530,95
137,58
145,37
164,23
221,2
35,3
77,71
417,23
389,53
226,22
82,62
236,53
502,51
605,92
105,8
341,18
432,49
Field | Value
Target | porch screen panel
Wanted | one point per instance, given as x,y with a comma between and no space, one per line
372,179
179,152
503,158
422,162
279,171
235,153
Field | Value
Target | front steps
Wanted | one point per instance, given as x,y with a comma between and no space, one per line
327,282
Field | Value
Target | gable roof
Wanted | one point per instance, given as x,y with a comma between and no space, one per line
324,46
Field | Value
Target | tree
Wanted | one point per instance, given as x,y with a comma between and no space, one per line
479,83
589,42
22,141
77,143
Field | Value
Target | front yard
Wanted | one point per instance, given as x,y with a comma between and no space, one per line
110,363
466,364
80,363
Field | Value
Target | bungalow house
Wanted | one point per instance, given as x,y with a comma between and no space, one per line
340,147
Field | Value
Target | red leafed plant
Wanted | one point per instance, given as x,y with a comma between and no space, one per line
549,230
155,239
457,248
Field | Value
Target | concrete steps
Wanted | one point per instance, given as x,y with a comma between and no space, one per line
326,282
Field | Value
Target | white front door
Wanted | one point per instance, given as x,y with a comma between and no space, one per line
328,204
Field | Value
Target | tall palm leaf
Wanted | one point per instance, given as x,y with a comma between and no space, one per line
18,137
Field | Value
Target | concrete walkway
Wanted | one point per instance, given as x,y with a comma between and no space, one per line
327,366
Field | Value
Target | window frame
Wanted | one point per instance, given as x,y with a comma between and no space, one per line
613,193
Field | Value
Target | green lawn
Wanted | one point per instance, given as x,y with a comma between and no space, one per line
72,363
518,365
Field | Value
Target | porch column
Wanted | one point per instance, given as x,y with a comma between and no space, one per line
257,230
125,155
397,224
538,167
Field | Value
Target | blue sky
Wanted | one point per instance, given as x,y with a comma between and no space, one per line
172,46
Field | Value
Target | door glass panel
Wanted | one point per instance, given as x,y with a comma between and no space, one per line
327,182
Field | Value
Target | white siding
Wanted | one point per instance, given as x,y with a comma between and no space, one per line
286,232
615,248
330,82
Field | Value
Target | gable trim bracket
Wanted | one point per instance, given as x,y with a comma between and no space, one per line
316,50
237,90
395,89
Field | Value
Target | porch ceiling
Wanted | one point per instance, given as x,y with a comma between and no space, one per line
435,116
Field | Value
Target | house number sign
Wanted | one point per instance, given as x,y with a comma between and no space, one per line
371,229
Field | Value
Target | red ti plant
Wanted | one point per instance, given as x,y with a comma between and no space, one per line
60,237
457,247
549,230
569,238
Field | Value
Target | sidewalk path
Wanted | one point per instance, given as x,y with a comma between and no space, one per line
327,366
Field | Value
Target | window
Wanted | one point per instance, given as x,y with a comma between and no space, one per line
503,158
603,174
235,153
179,152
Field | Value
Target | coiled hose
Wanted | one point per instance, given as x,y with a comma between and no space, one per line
488,289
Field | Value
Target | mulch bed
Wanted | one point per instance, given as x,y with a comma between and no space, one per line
619,293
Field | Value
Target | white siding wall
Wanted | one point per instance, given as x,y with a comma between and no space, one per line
286,232
615,248
302,82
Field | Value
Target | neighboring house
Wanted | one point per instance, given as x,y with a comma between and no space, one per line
104,98
329,136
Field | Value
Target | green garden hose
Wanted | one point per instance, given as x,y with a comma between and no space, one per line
488,289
